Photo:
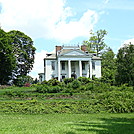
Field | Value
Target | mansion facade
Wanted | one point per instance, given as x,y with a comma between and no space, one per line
70,61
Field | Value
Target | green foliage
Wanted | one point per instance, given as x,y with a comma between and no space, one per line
96,41
16,55
68,80
23,50
125,65
7,59
84,80
94,97
23,81
48,89
53,82
44,82
108,66
112,102
75,84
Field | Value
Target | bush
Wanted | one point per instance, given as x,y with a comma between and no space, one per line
68,80
53,82
44,82
84,80
27,85
75,84
21,80
42,88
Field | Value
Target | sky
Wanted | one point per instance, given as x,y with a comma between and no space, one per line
57,22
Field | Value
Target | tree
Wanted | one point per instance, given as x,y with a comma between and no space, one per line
24,52
108,66
7,59
125,65
96,41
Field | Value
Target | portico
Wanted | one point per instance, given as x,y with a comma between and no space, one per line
78,67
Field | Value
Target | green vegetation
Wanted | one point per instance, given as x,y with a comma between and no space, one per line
78,96
67,124
125,65
16,55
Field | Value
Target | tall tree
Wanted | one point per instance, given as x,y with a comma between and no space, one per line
7,59
125,65
108,66
24,52
96,41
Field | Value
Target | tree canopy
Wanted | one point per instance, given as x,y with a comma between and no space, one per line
7,59
16,55
125,65
24,52
108,65
96,41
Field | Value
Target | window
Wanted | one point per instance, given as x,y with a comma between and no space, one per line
83,65
63,65
93,65
53,65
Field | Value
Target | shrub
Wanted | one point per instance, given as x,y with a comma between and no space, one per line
21,80
44,82
68,80
89,86
27,85
55,89
42,88
84,80
53,82
75,84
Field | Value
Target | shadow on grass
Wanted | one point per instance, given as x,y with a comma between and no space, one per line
106,126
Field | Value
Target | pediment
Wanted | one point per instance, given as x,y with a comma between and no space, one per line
74,53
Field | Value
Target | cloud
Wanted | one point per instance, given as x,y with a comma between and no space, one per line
106,1
68,31
126,42
129,40
50,19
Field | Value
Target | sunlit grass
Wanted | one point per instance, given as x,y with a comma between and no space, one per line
67,124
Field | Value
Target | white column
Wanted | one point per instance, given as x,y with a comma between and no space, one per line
59,70
80,68
91,69
88,69
69,68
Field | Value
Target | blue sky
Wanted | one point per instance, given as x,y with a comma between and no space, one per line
57,22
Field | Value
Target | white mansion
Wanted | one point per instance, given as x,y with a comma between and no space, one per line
70,61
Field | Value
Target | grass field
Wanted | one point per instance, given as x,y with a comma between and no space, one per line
67,124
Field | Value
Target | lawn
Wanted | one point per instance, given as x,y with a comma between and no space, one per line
67,124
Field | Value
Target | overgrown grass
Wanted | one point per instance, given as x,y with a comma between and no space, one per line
67,124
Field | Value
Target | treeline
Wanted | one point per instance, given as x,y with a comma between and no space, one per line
116,69
16,55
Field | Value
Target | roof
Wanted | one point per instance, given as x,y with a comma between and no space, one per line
50,56
73,51
96,58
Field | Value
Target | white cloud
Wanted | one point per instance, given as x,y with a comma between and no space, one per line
106,1
68,31
126,42
45,18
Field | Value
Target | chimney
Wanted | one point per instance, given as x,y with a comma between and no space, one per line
84,48
58,48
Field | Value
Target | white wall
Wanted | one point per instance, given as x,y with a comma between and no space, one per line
48,71
97,71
